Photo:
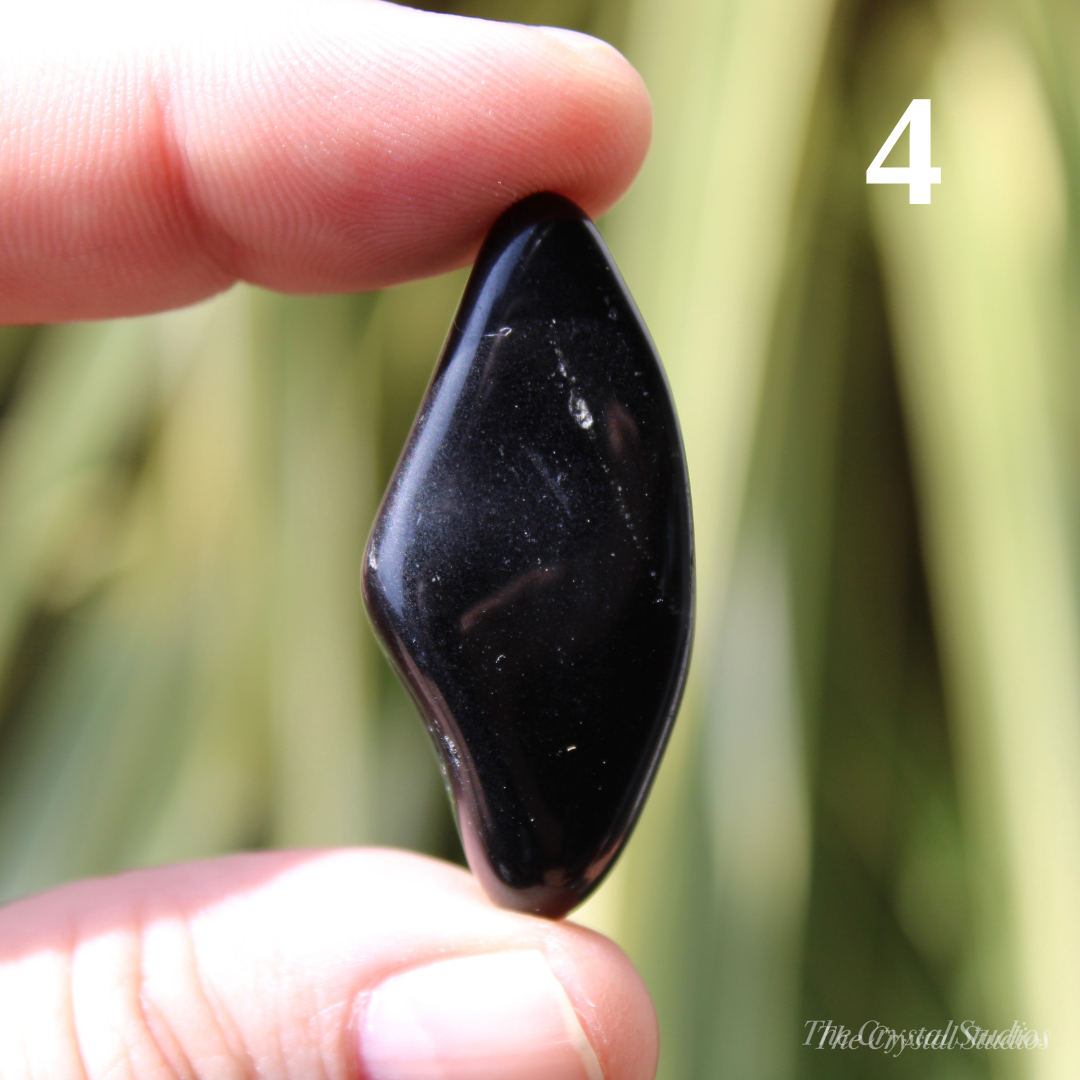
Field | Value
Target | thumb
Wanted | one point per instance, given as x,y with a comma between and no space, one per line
367,964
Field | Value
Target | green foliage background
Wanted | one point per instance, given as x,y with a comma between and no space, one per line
871,806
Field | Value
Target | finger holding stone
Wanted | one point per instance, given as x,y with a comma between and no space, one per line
152,155
351,964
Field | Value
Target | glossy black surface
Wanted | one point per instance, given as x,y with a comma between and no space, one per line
531,570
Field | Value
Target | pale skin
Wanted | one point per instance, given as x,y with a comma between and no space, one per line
149,159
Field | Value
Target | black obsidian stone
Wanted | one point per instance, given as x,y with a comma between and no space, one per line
530,572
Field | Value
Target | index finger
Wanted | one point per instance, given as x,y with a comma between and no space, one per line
150,158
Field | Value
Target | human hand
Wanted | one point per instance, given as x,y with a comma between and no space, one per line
149,159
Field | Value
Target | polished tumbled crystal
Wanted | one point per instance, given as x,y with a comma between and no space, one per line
530,572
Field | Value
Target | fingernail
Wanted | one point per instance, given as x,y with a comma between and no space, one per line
577,41
498,1016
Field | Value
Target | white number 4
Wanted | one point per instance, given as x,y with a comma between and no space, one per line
918,175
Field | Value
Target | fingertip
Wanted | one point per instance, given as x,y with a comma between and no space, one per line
325,147
620,98
440,122
611,1001
608,996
